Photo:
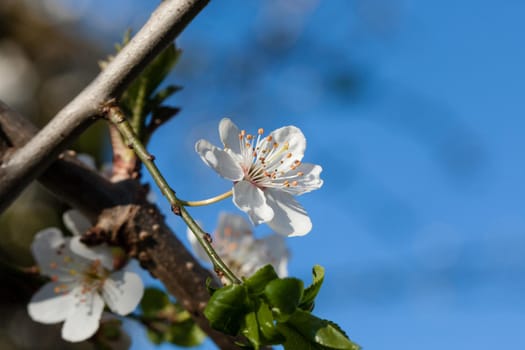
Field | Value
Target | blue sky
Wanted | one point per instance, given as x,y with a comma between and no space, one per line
415,111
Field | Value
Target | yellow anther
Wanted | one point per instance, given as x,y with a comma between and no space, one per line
260,131
289,155
294,183
249,137
269,138
243,132
254,154
275,145
300,173
56,290
72,272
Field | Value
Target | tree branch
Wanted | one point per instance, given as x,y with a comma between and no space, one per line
25,156
123,218
28,162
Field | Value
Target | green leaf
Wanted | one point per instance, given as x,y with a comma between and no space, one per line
258,281
294,340
321,332
211,285
185,333
155,337
153,301
161,95
310,293
136,100
251,329
227,307
267,325
284,295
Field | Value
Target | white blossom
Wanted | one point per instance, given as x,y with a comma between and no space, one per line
233,240
83,281
267,172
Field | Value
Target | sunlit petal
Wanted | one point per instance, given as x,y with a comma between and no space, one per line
47,306
122,291
229,134
49,248
290,217
295,142
219,160
251,200
83,320
101,252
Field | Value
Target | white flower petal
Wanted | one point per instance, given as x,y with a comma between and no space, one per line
309,180
251,200
290,218
101,252
229,134
84,319
196,247
48,307
232,228
296,144
219,160
48,247
76,222
122,291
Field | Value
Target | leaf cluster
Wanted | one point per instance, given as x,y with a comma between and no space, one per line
166,321
269,310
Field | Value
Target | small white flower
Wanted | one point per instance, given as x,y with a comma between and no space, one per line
266,172
83,280
233,240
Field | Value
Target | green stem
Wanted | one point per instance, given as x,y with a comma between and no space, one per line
207,201
117,118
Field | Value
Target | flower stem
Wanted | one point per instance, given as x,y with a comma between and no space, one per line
115,115
207,201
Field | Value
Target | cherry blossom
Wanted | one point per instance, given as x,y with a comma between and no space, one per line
83,281
266,172
240,250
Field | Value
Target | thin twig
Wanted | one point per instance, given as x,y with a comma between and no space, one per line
118,119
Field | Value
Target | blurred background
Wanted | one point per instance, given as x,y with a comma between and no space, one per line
413,108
